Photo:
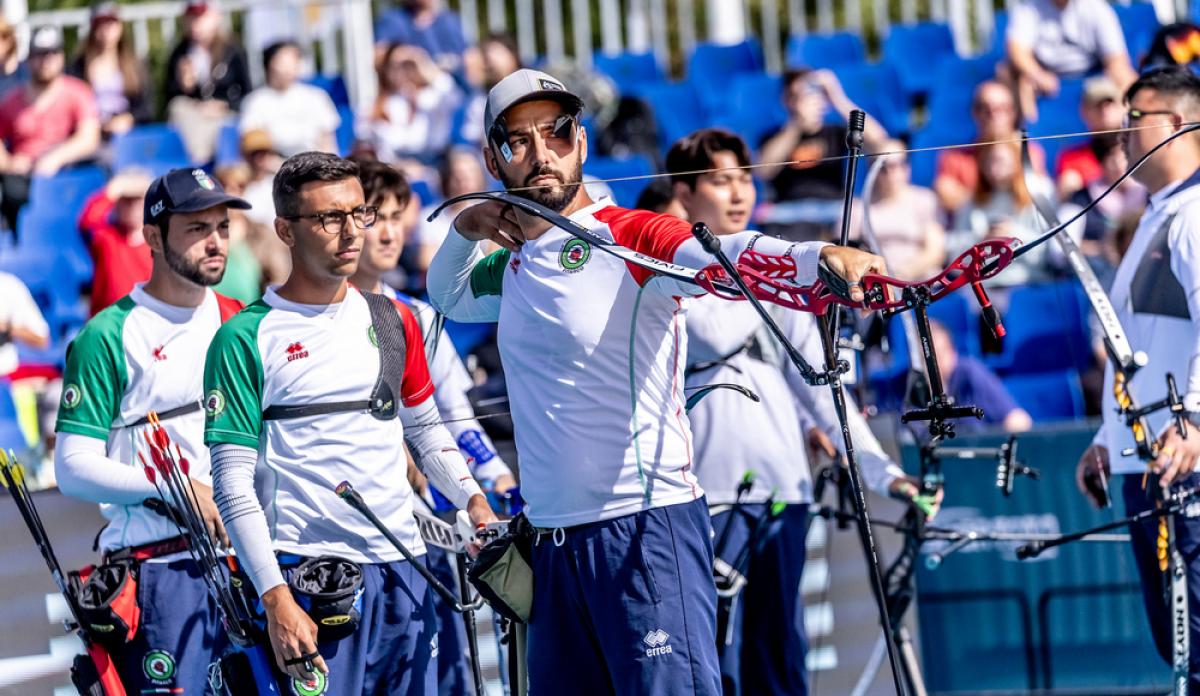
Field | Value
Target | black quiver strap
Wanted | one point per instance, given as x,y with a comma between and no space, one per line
388,332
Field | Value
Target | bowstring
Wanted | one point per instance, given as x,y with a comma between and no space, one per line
839,158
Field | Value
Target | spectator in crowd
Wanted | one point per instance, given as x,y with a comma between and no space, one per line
413,113
1003,207
207,78
498,58
263,158
106,62
805,138
111,224
904,219
1101,111
659,197
995,116
243,273
297,116
46,124
20,322
427,25
970,382
13,72
1052,40
459,172
1101,221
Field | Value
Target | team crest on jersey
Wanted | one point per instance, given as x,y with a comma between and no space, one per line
159,667
214,403
203,180
575,253
316,687
72,396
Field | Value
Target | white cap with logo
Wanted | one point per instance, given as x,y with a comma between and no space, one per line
522,86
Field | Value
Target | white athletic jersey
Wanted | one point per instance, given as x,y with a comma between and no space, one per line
594,351
140,355
735,434
278,352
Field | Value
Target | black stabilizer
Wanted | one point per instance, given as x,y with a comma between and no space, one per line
855,128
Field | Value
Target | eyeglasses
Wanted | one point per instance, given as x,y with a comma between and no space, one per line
334,221
1134,115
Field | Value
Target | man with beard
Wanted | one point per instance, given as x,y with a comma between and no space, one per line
594,350
292,399
146,353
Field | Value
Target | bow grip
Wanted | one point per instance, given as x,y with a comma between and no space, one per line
707,239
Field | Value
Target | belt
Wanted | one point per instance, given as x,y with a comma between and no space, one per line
154,549
190,407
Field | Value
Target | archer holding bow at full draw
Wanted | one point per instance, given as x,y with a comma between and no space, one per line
1156,294
624,599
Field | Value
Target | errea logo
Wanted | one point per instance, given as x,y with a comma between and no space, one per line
656,643
295,351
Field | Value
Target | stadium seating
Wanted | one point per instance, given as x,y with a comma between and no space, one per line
627,69
753,109
1050,396
677,109
834,50
912,48
68,189
873,88
10,432
55,234
345,131
1139,22
229,145
712,66
155,147
625,192
334,86
1050,314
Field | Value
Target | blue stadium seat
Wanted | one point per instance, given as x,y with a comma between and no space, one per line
955,312
712,66
156,147
345,131
625,192
936,134
753,109
1000,33
1039,317
68,189
677,108
954,88
628,68
825,50
913,48
1059,115
1138,23
334,86
873,88
229,145
1050,396
55,234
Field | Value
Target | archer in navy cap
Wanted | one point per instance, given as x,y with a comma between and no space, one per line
186,191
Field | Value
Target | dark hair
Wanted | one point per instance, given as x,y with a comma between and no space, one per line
656,196
1103,145
792,75
1172,80
505,39
697,150
271,51
380,180
306,168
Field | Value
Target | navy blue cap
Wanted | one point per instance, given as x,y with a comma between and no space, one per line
187,191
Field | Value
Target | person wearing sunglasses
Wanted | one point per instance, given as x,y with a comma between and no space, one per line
291,395
1102,112
1156,295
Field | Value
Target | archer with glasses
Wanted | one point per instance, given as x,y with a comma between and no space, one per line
1156,295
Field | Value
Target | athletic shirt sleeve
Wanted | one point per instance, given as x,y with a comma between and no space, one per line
233,382
653,234
416,385
95,377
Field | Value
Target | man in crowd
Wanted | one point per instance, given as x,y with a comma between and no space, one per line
112,224
297,117
46,124
145,353
1102,112
1156,299
625,599
763,651
291,394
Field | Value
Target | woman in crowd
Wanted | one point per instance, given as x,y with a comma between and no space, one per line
106,61
413,114
13,71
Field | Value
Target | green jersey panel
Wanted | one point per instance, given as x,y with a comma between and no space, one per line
487,278
233,381
96,376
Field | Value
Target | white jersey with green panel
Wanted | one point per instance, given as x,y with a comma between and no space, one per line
594,351
136,356
278,352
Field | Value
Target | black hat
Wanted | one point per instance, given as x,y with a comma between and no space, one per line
187,191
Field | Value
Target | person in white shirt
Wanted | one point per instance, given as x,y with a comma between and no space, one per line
298,117
414,112
296,397
1156,294
142,354
20,322
763,652
595,350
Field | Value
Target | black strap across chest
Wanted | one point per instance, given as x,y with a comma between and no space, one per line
389,337
1155,289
